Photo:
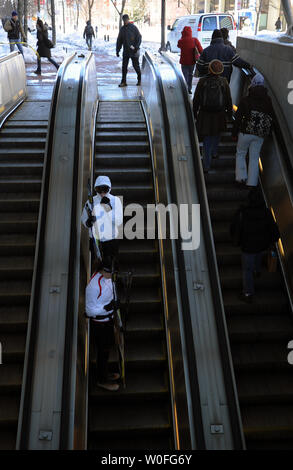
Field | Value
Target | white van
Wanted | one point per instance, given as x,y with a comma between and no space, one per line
202,26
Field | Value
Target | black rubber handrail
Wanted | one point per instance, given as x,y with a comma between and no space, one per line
39,256
190,349
213,271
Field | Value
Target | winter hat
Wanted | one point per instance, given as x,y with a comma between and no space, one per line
14,13
103,181
258,80
216,67
217,34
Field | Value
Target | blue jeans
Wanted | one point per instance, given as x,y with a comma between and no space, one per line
251,262
16,42
210,146
89,42
187,71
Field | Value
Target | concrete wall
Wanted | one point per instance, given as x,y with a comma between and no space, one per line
275,61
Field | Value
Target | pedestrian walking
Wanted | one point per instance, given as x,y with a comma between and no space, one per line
130,38
253,123
44,46
190,51
278,24
100,305
88,35
218,50
105,219
212,107
14,28
253,229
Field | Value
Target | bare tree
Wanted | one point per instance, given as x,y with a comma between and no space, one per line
190,5
90,4
121,11
25,7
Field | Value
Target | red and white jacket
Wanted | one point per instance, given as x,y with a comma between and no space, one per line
99,292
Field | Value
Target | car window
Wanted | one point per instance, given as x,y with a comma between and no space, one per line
226,22
209,23
175,24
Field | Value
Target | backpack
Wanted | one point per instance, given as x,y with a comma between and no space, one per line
213,95
7,26
258,123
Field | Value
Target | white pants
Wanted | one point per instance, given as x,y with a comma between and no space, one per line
253,143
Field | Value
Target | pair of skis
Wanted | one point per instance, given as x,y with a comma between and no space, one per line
118,326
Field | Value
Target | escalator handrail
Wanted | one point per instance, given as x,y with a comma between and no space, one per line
24,422
220,318
190,349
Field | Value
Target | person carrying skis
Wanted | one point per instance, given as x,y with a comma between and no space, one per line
88,35
104,217
13,27
100,306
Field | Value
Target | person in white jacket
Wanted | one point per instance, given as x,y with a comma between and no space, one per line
107,216
99,300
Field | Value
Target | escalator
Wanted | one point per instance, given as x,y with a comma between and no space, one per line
139,416
22,146
258,332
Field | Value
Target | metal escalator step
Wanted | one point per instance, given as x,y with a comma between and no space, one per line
226,192
265,387
131,175
263,302
20,168
121,147
9,406
136,442
7,438
16,267
250,328
13,318
25,222
260,356
117,126
219,177
141,385
10,378
29,142
29,155
231,278
19,202
14,183
114,160
12,132
25,124
15,293
151,418
13,346
121,136
264,422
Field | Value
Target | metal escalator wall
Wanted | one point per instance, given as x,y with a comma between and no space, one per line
138,417
225,352
54,313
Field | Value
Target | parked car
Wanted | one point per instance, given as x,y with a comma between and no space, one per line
202,26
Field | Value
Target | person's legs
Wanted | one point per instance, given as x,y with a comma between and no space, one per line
103,334
258,262
207,148
184,69
38,71
19,46
254,152
12,44
53,62
241,152
110,253
136,66
215,144
248,264
189,77
125,61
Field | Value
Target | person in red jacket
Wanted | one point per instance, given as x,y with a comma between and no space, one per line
190,52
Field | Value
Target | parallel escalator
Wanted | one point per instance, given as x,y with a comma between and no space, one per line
139,416
22,145
258,332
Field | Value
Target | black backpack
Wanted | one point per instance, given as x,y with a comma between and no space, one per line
213,95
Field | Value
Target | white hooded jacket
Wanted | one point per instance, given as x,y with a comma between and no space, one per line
106,226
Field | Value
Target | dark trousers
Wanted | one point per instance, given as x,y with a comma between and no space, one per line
103,337
136,66
251,262
109,251
210,147
187,71
89,41
50,60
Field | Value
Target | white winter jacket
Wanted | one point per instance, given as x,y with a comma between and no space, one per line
98,293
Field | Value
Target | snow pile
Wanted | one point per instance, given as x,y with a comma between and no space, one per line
271,36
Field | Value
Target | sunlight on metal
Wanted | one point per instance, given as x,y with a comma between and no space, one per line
235,107
260,165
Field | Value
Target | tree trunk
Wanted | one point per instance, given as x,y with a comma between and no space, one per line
63,13
163,25
257,17
25,17
39,6
53,19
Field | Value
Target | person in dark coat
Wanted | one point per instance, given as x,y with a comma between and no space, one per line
14,28
253,229
88,35
218,50
227,42
43,46
130,38
253,122
190,50
210,122
278,24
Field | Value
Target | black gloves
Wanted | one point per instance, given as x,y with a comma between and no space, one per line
117,54
90,221
112,305
105,200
